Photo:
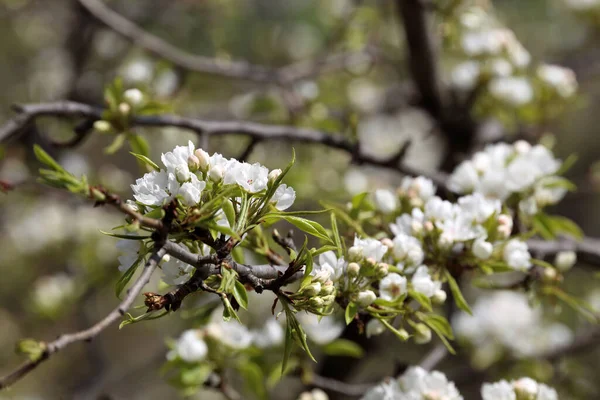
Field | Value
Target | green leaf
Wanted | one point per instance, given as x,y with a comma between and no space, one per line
567,164
438,323
542,263
145,161
336,236
565,225
139,145
351,311
228,311
254,378
46,159
287,348
229,211
311,227
323,249
423,300
126,277
457,294
240,294
357,202
116,144
33,349
122,236
578,305
196,375
542,227
343,347
402,335
144,317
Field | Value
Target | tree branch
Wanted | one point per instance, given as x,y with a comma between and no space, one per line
67,109
588,249
333,385
88,334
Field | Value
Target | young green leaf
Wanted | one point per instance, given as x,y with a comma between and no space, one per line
240,294
343,347
456,293
139,145
145,161
126,277
423,300
351,311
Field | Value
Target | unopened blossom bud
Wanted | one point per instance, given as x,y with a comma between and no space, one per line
416,202
355,253
124,108
439,297
312,290
216,173
482,249
327,288
328,300
428,225
382,269
416,227
525,389
371,261
318,394
522,147
365,298
203,159
182,173
402,334
504,231
133,96
422,334
353,269
550,274
565,260
445,241
316,302
374,328
273,175
103,126
322,276
505,220
193,163
387,242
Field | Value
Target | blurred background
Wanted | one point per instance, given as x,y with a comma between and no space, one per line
57,271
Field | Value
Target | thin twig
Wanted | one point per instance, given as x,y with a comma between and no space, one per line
587,249
67,109
88,334
434,357
347,389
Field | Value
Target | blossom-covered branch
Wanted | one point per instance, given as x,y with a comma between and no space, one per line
46,350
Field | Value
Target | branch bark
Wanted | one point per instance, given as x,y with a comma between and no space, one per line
88,334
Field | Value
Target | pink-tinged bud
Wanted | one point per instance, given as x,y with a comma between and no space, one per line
193,163
387,242
353,269
428,225
203,159
371,261
416,227
355,253
382,269
522,147
504,231
504,219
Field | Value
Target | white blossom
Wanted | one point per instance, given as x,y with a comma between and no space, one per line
371,248
423,283
133,96
417,383
321,330
482,249
230,333
407,248
516,255
191,347
331,266
501,390
392,286
130,252
175,272
374,328
385,201
561,79
283,197
365,298
465,75
151,188
420,187
271,334
251,177
517,91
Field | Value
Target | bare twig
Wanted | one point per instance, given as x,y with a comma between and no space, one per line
333,385
67,109
434,357
88,334
588,249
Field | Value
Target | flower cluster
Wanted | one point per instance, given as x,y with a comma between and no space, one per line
520,389
525,172
494,60
417,383
505,320
189,171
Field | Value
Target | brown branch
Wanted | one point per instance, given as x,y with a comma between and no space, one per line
115,201
88,334
588,249
67,109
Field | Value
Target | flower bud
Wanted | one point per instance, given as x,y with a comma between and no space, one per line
133,96
203,159
355,253
316,302
371,262
550,274
387,242
382,269
428,225
312,290
124,108
327,288
97,194
365,298
322,276
182,173
193,163
525,388
374,328
103,126
565,260
328,300
416,202
402,334
504,231
353,269
522,147
216,173
273,175
422,334
446,240
439,297
318,394
482,249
